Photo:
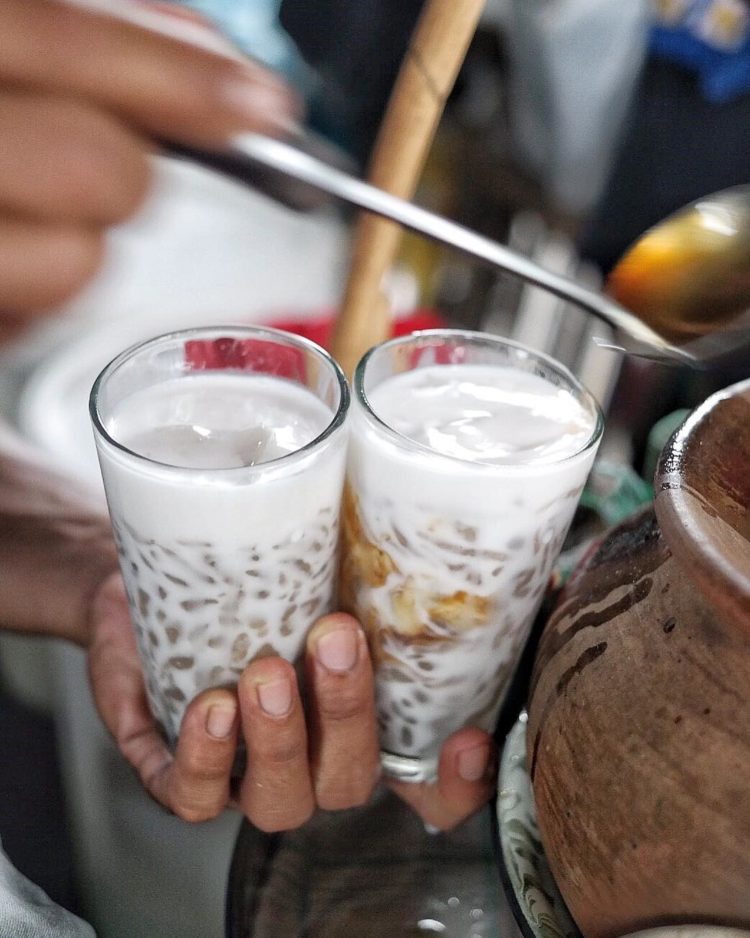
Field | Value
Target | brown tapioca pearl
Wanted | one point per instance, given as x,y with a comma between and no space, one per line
400,537
216,674
421,697
153,638
190,605
178,581
407,737
394,676
498,571
173,632
162,593
522,581
174,693
133,567
323,571
467,532
262,594
240,647
257,624
181,662
216,641
209,560
425,665
160,615
311,606
143,602
303,565
252,572
516,543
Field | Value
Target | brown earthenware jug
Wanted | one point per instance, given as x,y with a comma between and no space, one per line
639,713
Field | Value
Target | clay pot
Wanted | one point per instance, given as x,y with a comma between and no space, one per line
639,716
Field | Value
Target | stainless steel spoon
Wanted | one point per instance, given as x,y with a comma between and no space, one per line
265,163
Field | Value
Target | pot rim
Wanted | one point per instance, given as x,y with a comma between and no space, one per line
689,514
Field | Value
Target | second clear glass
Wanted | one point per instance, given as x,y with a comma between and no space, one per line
454,513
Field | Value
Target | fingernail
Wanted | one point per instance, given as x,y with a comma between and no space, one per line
275,697
337,650
220,720
472,763
266,104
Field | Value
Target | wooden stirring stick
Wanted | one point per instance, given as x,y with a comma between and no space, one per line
433,60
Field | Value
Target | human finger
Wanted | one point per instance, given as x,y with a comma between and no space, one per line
465,782
67,161
166,87
344,743
119,692
197,785
194,784
43,264
276,792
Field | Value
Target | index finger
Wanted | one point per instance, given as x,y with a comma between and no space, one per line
162,85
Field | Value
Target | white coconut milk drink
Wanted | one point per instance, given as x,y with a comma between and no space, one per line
467,458
222,454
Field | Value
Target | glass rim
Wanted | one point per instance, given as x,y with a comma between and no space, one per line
202,331
490,341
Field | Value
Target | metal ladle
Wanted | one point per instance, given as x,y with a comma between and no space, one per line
689,275
266,163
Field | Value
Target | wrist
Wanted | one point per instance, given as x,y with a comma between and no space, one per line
56,546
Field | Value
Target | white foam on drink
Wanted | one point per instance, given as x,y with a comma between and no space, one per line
484,413
219,421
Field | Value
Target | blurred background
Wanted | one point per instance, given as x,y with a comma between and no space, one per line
573,127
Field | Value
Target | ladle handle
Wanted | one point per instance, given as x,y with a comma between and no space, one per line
249,151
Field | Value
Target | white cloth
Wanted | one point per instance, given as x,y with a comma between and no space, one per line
27,912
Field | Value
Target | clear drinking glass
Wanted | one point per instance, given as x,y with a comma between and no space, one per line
467,456
222,452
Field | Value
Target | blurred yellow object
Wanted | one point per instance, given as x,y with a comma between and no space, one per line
691,272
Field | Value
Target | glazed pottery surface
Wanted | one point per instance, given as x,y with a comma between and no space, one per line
638,739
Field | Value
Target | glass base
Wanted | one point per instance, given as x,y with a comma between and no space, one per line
408,768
